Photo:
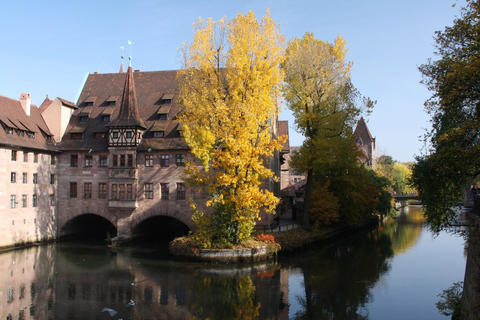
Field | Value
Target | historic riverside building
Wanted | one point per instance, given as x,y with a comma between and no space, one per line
123,155
28,174
365,142
111,161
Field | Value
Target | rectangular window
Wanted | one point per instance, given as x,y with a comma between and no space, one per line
129,192
34,200
24,200
87,190
129,134
114,135
114,192
122,160
103,161
35,157
180,191
130,160
52,159
13,177
76,136
25,156
149,160
115,160
52,179
13,201
164,160
105,118
88,160
52,200
180,160
24,177
99,135
162,116
14,155
35,178
102,190
73,189
74,160
121,191
83,119
165,190
159,134
148,190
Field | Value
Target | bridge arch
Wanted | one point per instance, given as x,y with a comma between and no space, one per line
184,217
161,224
71,221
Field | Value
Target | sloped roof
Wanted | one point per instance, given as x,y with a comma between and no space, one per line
13,116
361,131
45,104
149,86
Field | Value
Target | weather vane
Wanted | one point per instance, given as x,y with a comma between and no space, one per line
130,57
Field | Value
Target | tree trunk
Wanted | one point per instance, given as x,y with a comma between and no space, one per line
308,196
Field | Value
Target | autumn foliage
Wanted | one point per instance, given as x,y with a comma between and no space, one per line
228,91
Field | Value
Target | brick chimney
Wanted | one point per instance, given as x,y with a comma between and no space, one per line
25,102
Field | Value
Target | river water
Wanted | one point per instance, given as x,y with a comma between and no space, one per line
393,272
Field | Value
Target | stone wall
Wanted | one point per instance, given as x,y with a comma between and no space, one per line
23,222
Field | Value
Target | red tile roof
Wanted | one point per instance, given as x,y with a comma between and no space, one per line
361,131
150,88
13,116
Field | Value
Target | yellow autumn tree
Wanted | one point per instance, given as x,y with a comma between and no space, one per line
229,86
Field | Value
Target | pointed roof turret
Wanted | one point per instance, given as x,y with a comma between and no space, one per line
128,115
362,130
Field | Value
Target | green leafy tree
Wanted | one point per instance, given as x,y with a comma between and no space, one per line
451,160
325,104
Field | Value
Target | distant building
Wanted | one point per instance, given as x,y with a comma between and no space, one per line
365,142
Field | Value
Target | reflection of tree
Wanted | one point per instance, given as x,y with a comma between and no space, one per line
338,282
405,231
219,297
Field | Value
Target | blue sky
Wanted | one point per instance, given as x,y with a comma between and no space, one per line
47,47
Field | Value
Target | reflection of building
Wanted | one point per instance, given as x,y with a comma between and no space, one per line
28,158
365,142
26,286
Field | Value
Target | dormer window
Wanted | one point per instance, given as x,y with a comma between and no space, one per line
106,118
99,135
111,100
83,119
76,136
21,133
167,98
158,134
90,101
9,131
31,135
162,116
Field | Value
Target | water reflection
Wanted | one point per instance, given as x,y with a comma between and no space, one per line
78,281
